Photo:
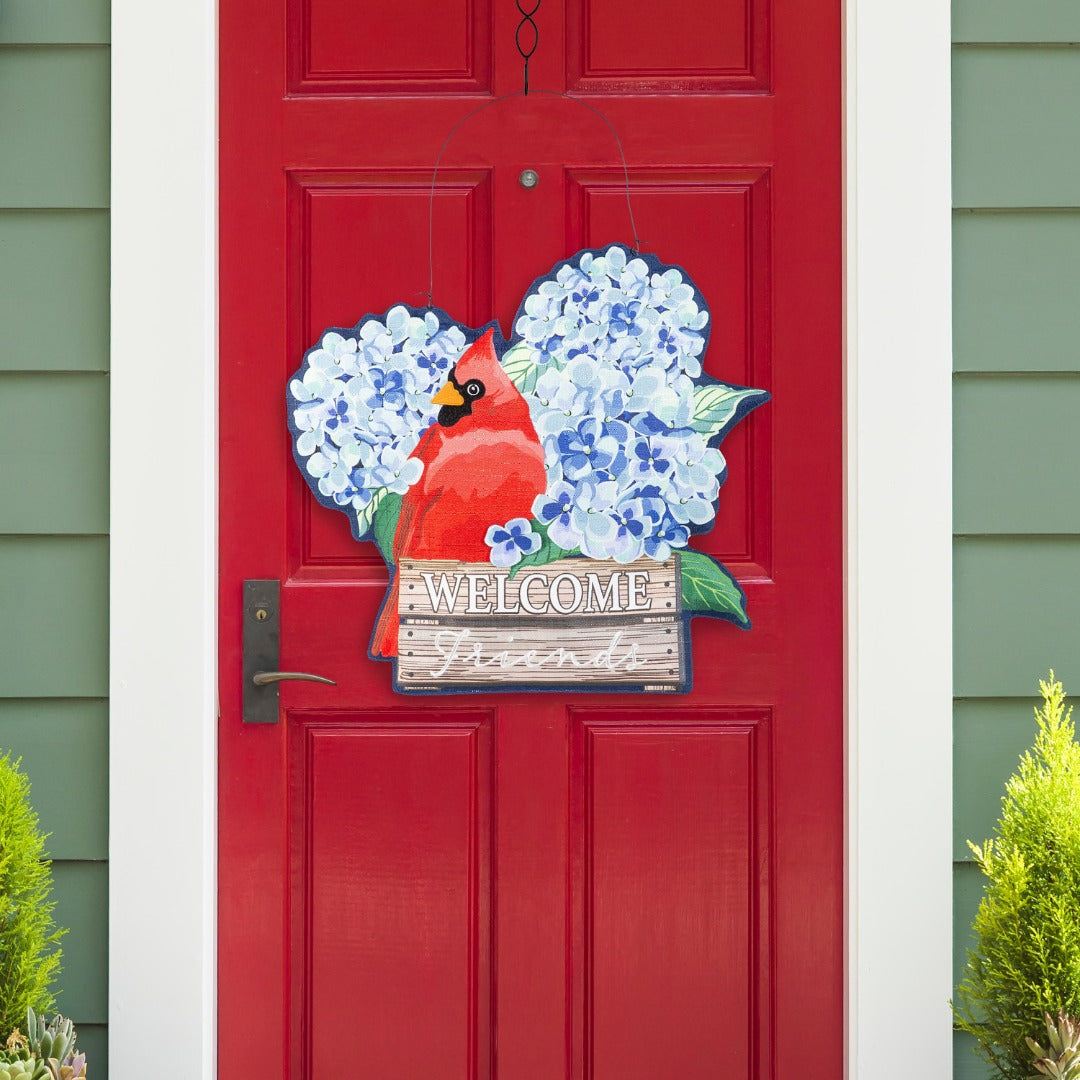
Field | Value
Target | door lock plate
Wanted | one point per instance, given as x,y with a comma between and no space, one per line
262,648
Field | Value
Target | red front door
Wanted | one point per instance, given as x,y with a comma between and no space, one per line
533,886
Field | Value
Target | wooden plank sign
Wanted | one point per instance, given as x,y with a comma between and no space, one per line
571,624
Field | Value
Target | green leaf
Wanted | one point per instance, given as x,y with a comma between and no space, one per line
547,552
365,517
385,521
708,589
522,368
716,405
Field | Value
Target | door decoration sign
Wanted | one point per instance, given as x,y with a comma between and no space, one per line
534,498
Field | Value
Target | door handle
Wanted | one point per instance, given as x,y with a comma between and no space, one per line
262,641
265,678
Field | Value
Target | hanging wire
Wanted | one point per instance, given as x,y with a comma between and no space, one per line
635,247
527,20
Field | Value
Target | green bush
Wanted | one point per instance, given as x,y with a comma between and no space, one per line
29,951
1026,960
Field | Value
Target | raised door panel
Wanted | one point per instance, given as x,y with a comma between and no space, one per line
680,46
408,47
391,862
671,885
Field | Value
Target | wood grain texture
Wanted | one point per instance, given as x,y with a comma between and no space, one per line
568,624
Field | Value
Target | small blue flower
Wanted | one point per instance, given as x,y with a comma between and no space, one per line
548,349
433,363
670,534
586,448
666,341
623,316
511,542
555,510
585,294
653,456
386,389
339,414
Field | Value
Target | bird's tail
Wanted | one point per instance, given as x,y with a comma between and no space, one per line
384,641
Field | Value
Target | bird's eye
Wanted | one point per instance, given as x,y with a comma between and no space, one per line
473,388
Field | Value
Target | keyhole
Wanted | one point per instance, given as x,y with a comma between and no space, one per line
262,614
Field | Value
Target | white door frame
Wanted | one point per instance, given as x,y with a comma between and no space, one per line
898,504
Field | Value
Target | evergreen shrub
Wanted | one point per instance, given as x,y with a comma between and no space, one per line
29,949
1026,959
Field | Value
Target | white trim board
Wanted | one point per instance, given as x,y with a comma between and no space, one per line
898,503
163,634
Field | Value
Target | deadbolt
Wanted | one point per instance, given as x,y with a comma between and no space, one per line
529,178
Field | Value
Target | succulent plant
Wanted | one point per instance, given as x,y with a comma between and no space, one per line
1061,1058
52,1046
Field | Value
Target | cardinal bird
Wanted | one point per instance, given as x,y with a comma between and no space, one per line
483,466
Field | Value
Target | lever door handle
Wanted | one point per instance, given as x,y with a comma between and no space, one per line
265,678
262,654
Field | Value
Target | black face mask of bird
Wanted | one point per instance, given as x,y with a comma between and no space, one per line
457,400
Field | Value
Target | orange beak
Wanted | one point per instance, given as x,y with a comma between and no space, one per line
448,395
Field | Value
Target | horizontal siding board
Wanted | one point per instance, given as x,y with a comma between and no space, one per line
54,290
64,746
93,1041
53,616
81,891
54,444
60,22
1015,461
988,739
54,127
1015,605
967,1065
1015,291
1016,141
1015,21
967,892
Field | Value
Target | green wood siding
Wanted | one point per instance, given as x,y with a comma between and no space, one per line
54,290
54,428
1011,21
1015,292
1016,247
